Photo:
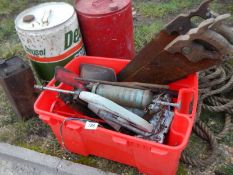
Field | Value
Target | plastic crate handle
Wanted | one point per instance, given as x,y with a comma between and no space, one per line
158,151
192,104
119,140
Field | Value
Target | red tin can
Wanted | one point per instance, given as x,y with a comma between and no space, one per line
107,27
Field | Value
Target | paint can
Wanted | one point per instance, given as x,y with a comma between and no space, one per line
50,35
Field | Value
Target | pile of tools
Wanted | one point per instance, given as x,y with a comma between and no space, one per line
132,102
145,109
139,109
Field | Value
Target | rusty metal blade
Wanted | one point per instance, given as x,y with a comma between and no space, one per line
155,65
145,56
166,68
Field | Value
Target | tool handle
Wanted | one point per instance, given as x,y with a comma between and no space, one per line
65,76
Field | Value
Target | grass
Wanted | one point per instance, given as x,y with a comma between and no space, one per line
163,9
37,136
144,33
182,170
225,170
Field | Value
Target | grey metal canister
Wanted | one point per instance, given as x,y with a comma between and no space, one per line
128,97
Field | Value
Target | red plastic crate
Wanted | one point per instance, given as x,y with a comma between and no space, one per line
149,157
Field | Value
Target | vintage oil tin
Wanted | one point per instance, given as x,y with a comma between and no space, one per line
107,27
50,35
17,81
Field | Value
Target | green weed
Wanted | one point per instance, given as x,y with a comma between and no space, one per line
144,33
225,170
162,9
181,170
6,29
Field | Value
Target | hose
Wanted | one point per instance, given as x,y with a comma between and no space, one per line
214,86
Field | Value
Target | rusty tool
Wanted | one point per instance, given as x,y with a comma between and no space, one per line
106,105
119,117
72,79
91,71
126,84
189,46
178,50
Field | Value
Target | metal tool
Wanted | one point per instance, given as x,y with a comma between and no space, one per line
163,61
65,76
182,23
72,79
190,46
127,84
95,72
164,121
129,97
161,123
176,105
106,105
116,121
17,80
118,117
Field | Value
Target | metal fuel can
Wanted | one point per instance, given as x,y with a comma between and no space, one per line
50,35
107,27
17,80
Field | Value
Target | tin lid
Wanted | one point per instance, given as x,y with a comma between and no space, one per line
44,16
100,7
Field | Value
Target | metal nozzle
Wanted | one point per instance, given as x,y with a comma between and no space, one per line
55,90
38,87
176,105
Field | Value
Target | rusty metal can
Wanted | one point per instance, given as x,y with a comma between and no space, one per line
17,80
50,35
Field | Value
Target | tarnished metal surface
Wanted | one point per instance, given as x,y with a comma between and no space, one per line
106,116
165,122
139,112
123,96
132,72
134,85
164,68
182,23
117,120
206,32
65,76
153,64
17,80
90,71
106,105
109,106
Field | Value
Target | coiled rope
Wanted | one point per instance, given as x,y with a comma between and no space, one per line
214,87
